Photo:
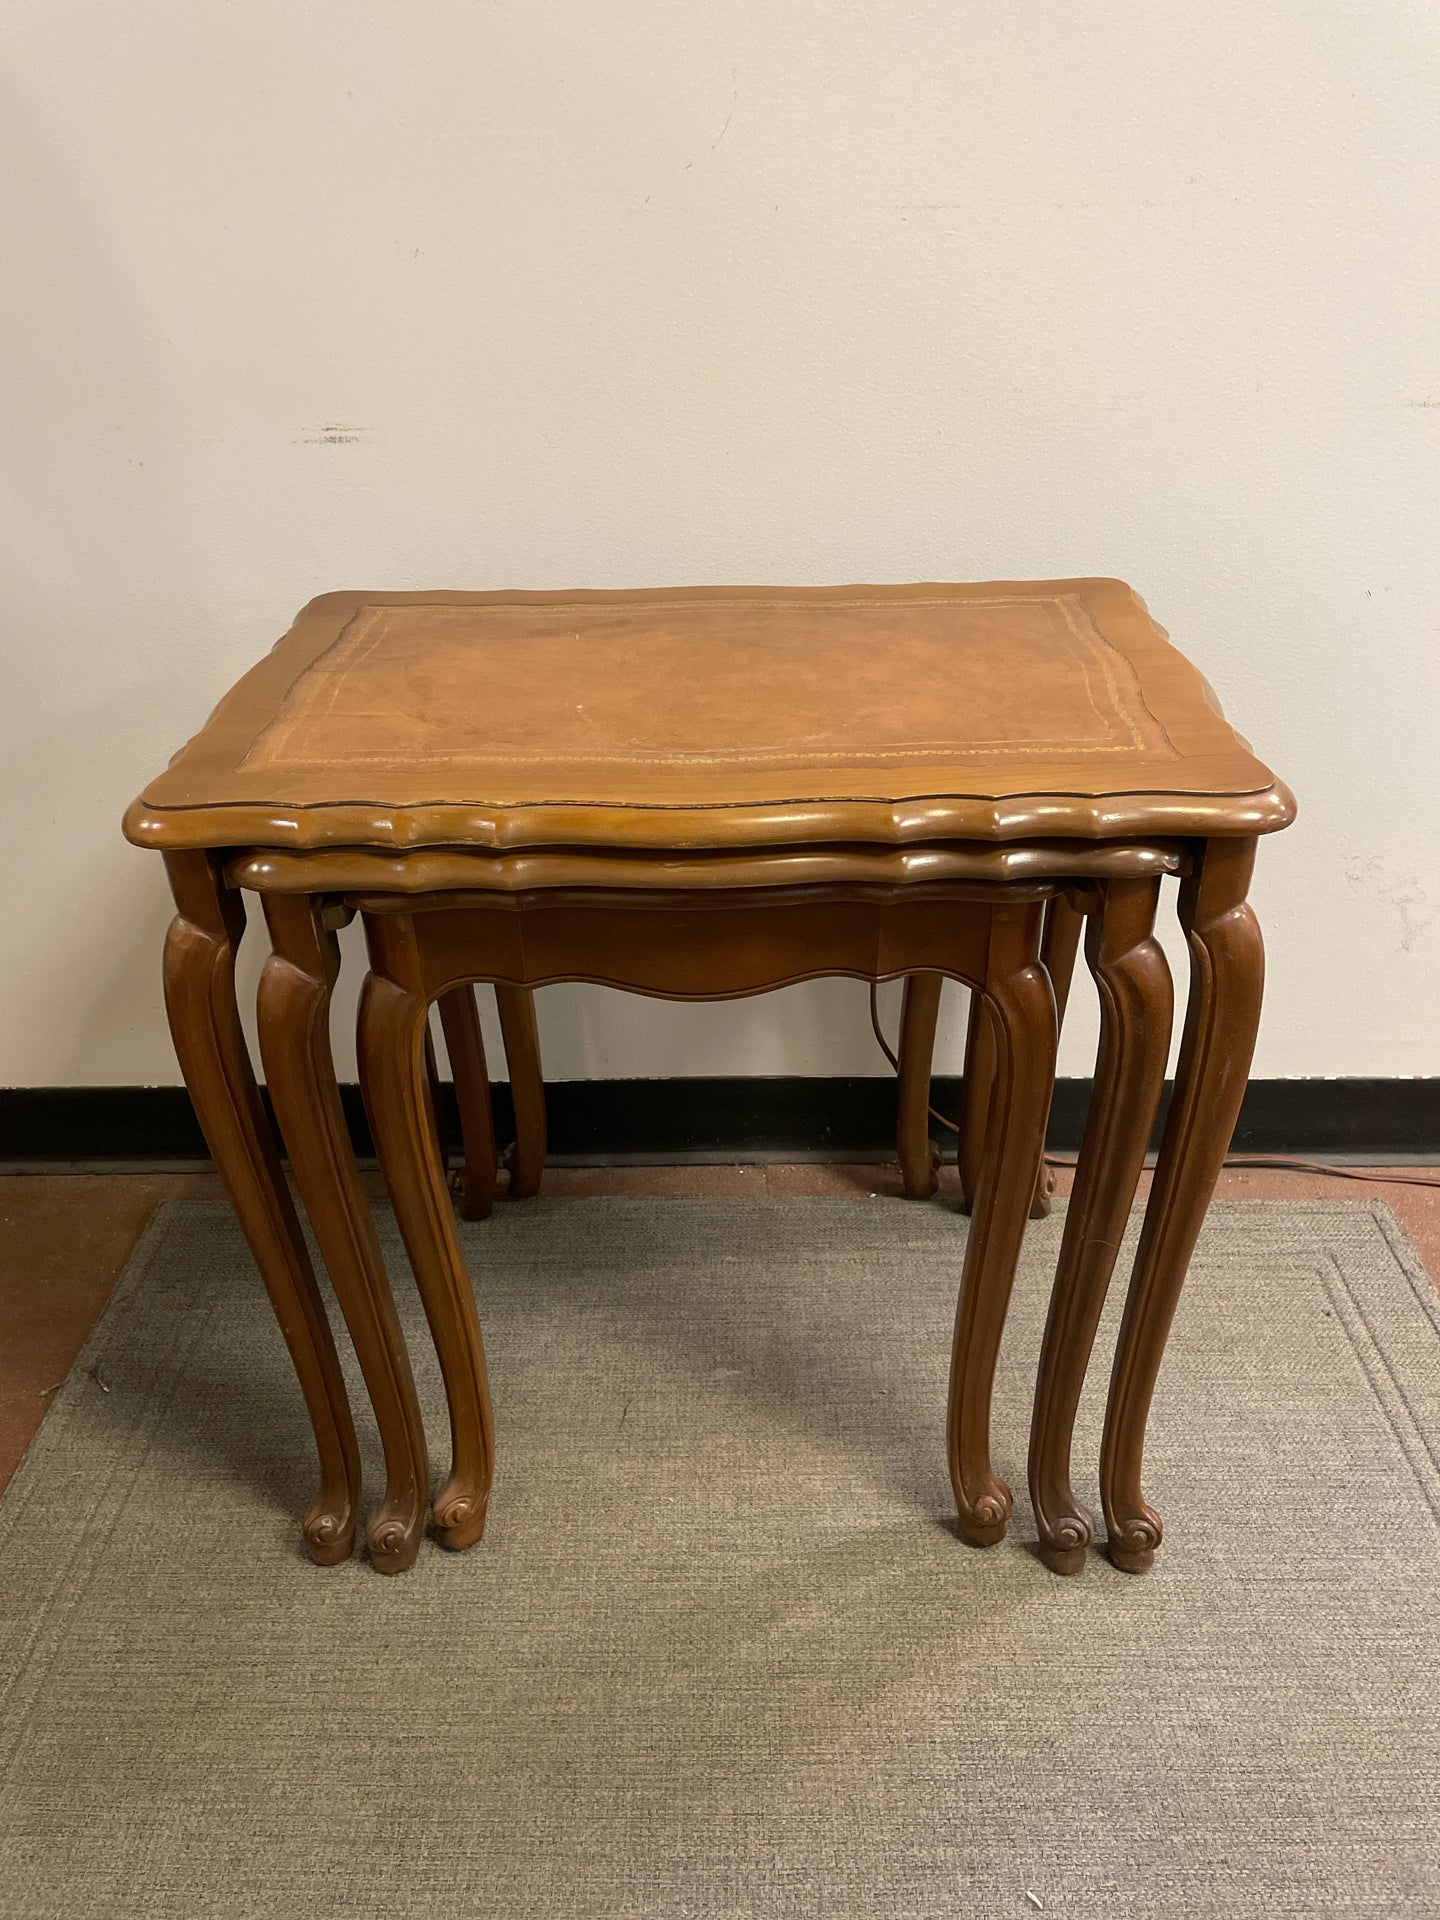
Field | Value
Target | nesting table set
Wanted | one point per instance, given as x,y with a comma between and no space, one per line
704,794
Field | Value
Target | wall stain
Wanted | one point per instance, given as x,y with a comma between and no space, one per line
1410,898
329,436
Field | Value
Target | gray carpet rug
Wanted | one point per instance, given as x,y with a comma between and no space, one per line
721,1652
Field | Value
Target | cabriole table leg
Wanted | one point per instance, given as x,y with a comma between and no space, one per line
1064,923
1059,943
210,1043
460,1022
1136,1007
527,1088
1227,970
977,1088
915,1150
1020,1015
392,1078
294,1008
432,1090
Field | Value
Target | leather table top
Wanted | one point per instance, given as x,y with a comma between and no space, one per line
713,717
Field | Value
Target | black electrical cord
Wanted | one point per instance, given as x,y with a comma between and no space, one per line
1283,1163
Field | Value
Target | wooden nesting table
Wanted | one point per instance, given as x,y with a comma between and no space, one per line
708,793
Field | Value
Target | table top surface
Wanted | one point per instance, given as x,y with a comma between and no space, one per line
714,717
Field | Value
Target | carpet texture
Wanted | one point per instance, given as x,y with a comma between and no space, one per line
721,1652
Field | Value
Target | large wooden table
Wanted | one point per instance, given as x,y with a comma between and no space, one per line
707,793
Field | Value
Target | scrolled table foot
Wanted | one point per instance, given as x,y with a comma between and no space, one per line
394,1534
1064,1544
460,1517
1132,1541
984,1519
328,1532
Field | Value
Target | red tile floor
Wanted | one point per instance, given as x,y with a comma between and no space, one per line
64,1239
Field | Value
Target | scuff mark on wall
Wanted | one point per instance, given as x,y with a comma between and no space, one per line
1407,895
734,99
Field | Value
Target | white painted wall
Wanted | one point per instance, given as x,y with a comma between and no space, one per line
657,292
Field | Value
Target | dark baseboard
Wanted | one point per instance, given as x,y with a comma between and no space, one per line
715,1118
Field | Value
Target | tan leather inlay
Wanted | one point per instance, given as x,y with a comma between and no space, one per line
740,682
685,718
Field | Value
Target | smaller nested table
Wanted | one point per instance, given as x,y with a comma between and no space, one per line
708,793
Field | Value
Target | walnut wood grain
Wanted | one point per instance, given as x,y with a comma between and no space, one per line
200,952
1136,1006
1227,975
294,1016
